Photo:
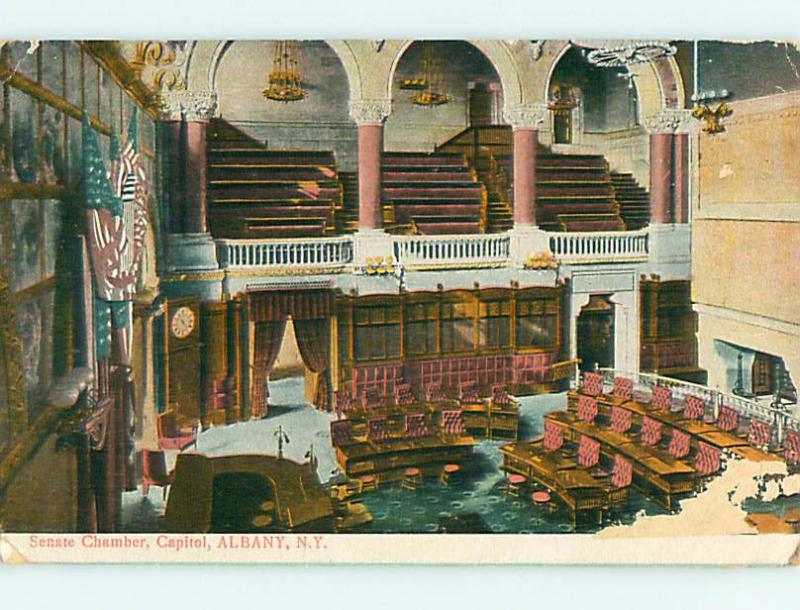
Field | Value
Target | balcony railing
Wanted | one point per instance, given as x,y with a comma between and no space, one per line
324,253
429,251
451,251
596,247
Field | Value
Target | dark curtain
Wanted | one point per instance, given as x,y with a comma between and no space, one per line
313,340
268,339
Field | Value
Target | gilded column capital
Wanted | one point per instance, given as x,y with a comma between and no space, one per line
670,120
525,116
370,112
189,105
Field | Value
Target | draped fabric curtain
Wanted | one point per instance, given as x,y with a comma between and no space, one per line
313,341
268,337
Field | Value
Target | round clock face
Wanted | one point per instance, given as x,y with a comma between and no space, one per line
182,323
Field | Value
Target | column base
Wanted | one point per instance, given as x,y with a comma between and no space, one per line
370,244
191,252
527,240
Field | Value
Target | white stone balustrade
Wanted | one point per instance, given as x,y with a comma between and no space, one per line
605,246
324,254
451,251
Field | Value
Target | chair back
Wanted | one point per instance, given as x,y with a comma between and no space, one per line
707,461
500,395
651,431
553,436
622,474
587,408
452,421
679,444
588,452
371,397
621,419
694,407
415,425
728,419
435,393
154,467
167,425
403,394
792,447
662,398
760,433
623,388
342,432
377,429
468,392
592,383
344,402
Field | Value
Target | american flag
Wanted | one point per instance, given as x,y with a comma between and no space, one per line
452,421
415,425
587,408
707,461
623,388
760,433
553,436
620,419
588,452
728,419
679,444
651,431
592,383
792,447
694,407
662,398
622,475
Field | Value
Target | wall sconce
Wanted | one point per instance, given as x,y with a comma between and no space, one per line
703,110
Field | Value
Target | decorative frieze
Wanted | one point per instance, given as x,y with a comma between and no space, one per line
525,116
671,120
370,112
189,105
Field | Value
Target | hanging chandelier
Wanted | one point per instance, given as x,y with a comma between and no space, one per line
432,91
285,83
630,54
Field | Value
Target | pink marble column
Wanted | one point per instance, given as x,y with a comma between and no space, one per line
660,177
524,176
370,151
680,186
195,159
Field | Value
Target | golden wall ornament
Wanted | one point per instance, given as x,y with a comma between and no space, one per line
158,64
712,116
540,260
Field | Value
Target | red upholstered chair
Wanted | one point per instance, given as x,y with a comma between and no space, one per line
592,383
728,420
679,444
651,431
415,425
588,452
378,429
621,419
760,434
371,398
791,451
435,393
452,422
694,407
500,395
623,388
154,472
553,436
344,403
622,474
173,437
468,392
707,461
403,394
662,398
587,408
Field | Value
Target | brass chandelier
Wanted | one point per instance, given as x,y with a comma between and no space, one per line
432,91
285,83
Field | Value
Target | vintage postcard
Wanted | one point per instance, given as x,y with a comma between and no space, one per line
450,301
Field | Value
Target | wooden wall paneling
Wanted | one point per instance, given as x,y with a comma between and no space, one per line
213,362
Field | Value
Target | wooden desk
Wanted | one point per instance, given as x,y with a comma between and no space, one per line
722,440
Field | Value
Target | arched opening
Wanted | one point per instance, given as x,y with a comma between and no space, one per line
458,70
585,98
318,121
595,331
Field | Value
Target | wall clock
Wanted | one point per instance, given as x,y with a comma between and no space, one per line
183,322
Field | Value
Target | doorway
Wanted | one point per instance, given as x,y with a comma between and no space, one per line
595,333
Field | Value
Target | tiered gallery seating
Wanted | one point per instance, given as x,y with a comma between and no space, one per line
256,192
434,193
634,201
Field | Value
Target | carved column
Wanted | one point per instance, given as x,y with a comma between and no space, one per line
369,115
525,121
